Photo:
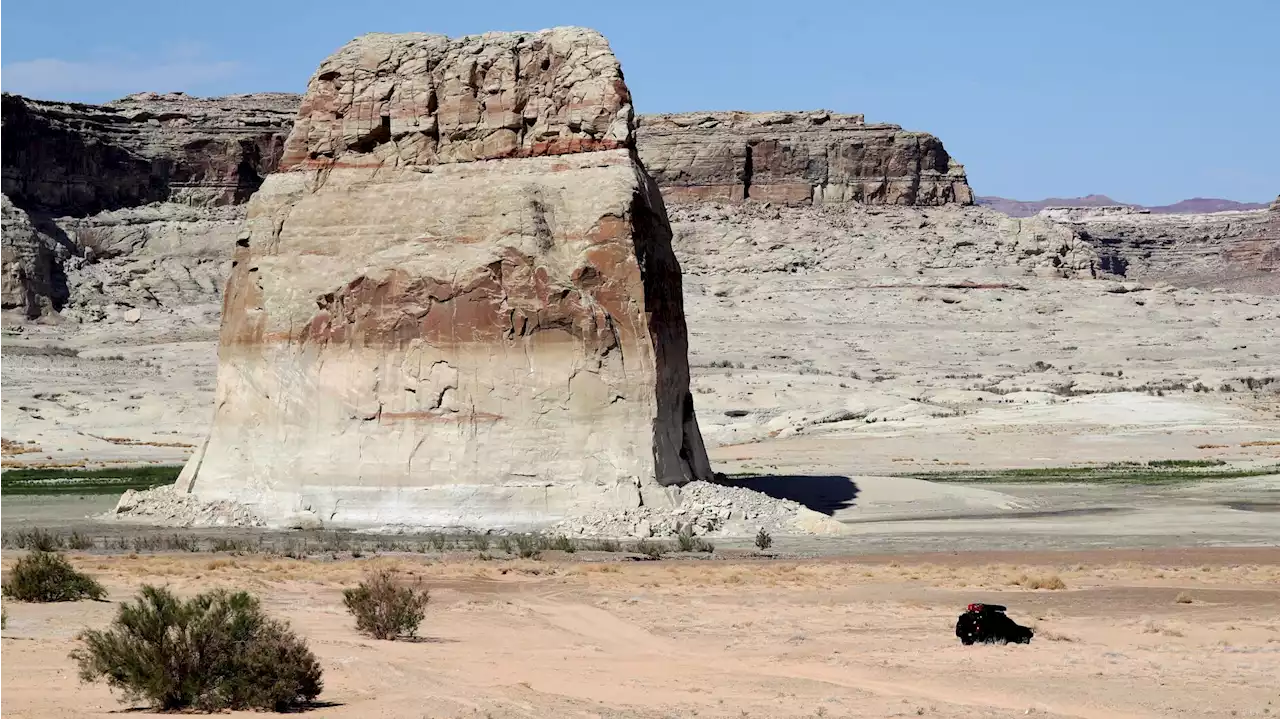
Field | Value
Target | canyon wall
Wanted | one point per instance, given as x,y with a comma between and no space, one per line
1232,250
456,302
132,204
797,158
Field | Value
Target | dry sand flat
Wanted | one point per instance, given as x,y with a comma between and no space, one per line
752,638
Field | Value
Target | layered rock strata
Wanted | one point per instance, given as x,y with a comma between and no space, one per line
134,203
75,159
456,303
797,158
1234,250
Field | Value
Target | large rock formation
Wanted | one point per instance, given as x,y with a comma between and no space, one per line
137,200
456,303
797,158
132,203
74,159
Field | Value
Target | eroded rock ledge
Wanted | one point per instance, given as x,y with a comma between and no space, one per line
797,158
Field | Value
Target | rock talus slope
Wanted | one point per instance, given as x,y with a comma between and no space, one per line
797,158
456,303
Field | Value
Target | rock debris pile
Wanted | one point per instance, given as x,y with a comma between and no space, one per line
164,506
706,509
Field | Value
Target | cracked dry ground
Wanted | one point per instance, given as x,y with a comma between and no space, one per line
870,637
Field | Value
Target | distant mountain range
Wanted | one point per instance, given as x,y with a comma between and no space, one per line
1027,208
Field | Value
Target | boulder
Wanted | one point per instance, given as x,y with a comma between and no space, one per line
31,265
456,304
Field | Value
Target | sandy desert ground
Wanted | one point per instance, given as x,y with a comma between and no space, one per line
870,637
823,373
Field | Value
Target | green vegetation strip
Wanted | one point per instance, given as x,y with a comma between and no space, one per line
108,480
1170,471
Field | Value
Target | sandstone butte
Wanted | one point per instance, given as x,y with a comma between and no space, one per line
455,302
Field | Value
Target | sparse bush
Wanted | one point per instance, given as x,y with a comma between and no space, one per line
385,607
1050,582
214,652
563,543
225,545
480,542
527,547
764,540
684,539
49,577
606,545
652,550
1183,598
505,545
687,542
39,540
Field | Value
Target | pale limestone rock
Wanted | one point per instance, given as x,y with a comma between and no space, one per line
33,283
472,319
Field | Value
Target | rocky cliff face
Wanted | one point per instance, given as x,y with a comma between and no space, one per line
133,203
456,303
77,160
1234,250
121,195
797,158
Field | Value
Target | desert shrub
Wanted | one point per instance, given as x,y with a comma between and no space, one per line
687,542
385,607
49,577
214,652
527,547
563,543
652,550
684,539
39,540
1051,582
764,540
480,542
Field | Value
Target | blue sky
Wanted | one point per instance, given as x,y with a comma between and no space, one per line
1144,100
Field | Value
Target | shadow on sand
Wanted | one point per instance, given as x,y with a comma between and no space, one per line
821,493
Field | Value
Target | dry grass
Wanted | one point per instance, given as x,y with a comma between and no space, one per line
1052,636
1211,446
1153,627
1261,443
1183,598
1051,582
666,576
8,446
